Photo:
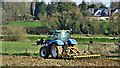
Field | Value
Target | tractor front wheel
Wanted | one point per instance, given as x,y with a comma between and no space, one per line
44,52
54,51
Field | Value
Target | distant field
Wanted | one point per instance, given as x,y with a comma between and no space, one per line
19,47
95,35
79,38
25,24
30,48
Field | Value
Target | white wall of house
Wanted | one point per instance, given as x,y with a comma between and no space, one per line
99,18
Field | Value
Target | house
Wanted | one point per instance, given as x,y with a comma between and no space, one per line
102,13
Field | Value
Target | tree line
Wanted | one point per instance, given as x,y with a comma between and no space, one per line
62,15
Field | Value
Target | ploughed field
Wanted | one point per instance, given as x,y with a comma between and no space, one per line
38,61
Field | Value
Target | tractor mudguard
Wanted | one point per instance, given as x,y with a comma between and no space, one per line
58,42
72,42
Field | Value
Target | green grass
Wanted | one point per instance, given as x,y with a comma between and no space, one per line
24,24
33,38
82,47
96,39
91,35
79,39
19,47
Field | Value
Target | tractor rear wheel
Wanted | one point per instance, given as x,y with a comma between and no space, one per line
44,52
54,51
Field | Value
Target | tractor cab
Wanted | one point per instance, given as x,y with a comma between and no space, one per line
62,35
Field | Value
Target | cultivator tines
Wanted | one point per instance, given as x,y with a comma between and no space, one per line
73,53
86,56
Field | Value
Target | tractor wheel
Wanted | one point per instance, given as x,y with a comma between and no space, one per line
44,52
54,51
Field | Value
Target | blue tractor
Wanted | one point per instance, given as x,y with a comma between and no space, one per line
61,45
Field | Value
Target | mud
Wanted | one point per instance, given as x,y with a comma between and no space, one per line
38,61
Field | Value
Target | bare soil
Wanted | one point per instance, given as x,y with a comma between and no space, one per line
38,61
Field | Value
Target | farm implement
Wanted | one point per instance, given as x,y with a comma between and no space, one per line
63,46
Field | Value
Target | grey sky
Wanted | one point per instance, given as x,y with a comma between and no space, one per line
106,2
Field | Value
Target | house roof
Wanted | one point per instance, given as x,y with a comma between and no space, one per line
103,12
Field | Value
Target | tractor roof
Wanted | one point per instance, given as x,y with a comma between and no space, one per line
54,31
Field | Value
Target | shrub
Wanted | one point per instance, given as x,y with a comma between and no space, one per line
14,34
118,40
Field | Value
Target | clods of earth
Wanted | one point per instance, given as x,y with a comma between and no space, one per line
38,61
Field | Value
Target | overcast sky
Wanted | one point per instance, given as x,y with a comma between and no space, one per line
106,2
